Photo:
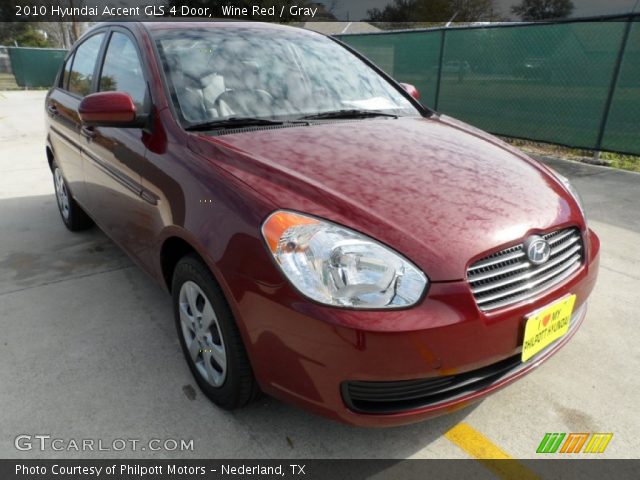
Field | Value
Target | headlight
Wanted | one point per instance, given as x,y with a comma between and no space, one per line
337,266
565,181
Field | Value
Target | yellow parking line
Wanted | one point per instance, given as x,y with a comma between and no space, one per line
485,451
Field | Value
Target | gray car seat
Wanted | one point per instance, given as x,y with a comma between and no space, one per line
243,95
196,84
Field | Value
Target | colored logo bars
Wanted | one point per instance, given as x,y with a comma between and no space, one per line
592,442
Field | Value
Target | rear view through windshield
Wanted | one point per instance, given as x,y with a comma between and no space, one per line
227,72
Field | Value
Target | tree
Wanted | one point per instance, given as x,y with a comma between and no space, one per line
39,33
433,11
472,10
9,31
63,34
24,34
33,37
398,11
531,10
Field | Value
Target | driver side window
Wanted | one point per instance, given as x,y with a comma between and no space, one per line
122,70
80,78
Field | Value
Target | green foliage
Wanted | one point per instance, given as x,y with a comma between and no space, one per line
625,162
434,11
25,34
609,159
531,10
9,32
33,38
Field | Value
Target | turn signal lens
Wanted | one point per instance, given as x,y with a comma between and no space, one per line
574,193
338,266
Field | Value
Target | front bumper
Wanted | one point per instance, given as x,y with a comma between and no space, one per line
439,392
305,353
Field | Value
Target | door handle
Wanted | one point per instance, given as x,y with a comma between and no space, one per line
88,132
52,109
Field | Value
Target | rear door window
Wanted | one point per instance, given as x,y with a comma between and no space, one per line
81,76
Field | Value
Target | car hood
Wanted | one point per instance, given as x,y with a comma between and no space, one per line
438,191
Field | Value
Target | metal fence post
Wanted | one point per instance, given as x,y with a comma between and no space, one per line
442,38
614,82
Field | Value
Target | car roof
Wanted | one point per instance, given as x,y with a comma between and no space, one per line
152,26
206,24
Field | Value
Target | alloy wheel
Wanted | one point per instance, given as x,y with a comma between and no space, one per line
202,334
62,196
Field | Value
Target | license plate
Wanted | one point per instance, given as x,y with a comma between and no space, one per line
546,325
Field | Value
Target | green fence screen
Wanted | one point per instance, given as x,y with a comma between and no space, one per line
35,67
409,57
572,83
622,130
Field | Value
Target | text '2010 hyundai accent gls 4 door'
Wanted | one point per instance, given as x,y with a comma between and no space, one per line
326,239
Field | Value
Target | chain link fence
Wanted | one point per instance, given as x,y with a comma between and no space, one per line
574,83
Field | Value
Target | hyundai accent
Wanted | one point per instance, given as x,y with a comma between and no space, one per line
326,239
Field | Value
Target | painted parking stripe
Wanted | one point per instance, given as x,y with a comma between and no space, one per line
484,450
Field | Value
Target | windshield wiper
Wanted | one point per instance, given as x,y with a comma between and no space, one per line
351,113
233,122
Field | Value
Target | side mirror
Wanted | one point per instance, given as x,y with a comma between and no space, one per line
110,109
411,90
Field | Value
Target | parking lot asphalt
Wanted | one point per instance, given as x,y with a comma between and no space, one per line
88,348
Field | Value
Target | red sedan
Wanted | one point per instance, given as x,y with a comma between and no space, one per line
326,238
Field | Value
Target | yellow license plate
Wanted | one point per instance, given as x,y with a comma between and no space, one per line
546,325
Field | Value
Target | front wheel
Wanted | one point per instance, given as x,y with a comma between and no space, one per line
74,218
209,337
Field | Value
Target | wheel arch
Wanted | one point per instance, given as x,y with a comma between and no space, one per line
50,157
172,250
174,247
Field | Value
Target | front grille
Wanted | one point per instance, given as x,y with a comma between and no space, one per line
507,276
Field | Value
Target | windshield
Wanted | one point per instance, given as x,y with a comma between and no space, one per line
242,72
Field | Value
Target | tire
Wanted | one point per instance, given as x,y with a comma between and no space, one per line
210,339
73,217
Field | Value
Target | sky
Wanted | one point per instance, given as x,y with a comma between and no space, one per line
357,9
